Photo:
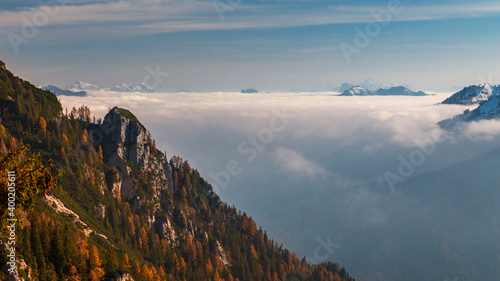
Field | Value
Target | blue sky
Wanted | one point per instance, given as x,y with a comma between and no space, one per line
268,45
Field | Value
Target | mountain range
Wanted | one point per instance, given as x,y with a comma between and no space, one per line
368,84
63,92
393,91
125,87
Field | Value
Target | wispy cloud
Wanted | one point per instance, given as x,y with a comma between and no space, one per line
174,15
292,161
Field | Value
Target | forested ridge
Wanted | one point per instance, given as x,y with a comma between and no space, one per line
93,209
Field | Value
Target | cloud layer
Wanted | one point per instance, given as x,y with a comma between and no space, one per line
322,172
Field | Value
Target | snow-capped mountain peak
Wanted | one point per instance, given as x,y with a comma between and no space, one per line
84,86
473,94
132,87
357,91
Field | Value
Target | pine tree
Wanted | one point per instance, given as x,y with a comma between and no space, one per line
36,245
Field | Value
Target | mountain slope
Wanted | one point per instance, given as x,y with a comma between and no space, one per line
122,211
487,110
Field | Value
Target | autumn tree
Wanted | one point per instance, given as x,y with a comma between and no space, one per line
31,178
3,148
43,124
100,153
95,264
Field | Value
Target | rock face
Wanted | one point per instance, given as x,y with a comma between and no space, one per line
220,253
142,176
127,146
165,230
474,94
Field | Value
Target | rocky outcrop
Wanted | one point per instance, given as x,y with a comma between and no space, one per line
127,146
116,276
220,253
60,208
100,210
165,230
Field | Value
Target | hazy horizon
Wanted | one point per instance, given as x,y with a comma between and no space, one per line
271,46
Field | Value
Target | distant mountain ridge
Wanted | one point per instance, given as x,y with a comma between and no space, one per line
249,91
125,87
394,91
63,92
368,84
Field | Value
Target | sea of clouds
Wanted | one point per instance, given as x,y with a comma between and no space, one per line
315,167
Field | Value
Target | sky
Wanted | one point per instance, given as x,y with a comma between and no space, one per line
229,45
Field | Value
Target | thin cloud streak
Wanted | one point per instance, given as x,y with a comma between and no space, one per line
179,16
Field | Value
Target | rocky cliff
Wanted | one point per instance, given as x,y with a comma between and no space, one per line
127,147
